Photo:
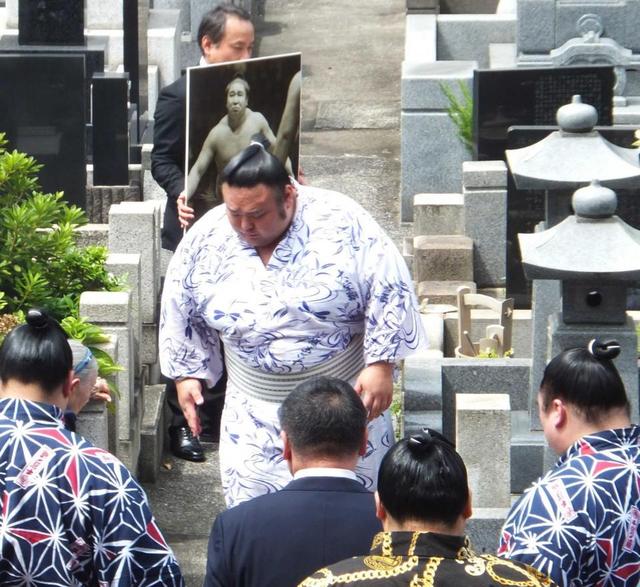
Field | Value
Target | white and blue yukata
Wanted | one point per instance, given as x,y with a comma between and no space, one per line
580,523
335,296
71,514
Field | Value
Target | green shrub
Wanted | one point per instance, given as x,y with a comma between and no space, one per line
461,112
40,264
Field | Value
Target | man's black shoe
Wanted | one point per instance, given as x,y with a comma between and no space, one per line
185,445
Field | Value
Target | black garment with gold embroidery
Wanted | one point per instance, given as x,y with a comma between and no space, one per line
426,559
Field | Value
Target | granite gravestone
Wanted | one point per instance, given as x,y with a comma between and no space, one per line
532,96
93,51
526,208
54,22
42,99
110,129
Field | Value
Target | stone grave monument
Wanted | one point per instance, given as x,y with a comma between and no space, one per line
595,255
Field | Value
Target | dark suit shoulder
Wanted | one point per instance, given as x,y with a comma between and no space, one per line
175,90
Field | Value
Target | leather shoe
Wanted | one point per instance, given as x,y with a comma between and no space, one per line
185,445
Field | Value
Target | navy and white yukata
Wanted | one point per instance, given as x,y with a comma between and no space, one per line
579,523
72,514
334,281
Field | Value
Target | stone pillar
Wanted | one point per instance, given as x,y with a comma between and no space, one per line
485,219
111,311
93,419
483,439
134,228
127,267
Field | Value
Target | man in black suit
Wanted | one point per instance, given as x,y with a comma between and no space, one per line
323,515
225,34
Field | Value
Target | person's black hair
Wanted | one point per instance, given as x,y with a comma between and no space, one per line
587,379
255,165
423,478
36,352
214,22
324,416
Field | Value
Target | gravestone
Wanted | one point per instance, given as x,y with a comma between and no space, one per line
578,32
42,111
93,52
532,96
525,208
54,22
110,129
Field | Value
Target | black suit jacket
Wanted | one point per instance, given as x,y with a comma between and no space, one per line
279,539
167,156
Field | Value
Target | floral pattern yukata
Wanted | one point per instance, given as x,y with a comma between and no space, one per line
334,277
72,514
580,522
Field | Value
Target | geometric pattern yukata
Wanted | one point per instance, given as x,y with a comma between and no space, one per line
71,513
334,280
580,522
426,559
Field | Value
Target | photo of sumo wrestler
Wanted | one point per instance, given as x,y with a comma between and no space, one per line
231,104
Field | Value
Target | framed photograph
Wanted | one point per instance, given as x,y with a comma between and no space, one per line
231,104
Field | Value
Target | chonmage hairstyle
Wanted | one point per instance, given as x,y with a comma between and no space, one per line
254,165
36,352
423,478
587,379
214,21
324,416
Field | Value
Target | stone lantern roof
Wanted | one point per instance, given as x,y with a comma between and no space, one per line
574,155
593,245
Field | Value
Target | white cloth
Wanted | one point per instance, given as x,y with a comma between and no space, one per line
333,275
251,461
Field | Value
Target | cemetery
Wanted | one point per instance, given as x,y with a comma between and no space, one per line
493,230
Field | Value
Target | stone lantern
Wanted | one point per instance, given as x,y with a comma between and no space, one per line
596,256
570,158
565,160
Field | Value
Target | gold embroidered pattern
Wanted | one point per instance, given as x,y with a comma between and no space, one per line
387,549
382,563
429,573
404,567
412,545
531,578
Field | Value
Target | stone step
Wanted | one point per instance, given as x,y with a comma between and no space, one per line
442,258
152,433
438,214
442,292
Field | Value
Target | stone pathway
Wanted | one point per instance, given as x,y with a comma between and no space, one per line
351,54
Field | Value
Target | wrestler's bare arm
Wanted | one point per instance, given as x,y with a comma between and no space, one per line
205,158
290,120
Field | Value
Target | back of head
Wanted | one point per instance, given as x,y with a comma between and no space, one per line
213,22
255,165
423,479
324,416
587,379
84,363
36,353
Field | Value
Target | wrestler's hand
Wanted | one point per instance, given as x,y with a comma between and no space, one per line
190,396
185,213
375,386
